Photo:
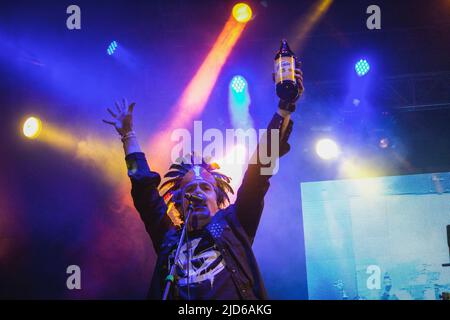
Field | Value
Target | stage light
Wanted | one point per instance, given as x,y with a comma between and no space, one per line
32,127
362,67
112,47
238,84
350,168
368,187
327,149
242,12
239,103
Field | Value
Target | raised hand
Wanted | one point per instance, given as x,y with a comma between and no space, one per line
123,117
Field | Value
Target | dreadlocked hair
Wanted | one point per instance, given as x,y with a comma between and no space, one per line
171,188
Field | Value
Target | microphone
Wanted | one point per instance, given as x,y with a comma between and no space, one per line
196,199
448,242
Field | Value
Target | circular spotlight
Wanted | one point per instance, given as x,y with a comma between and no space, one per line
356,102
242,12
362,67
32,127
238,84
327,149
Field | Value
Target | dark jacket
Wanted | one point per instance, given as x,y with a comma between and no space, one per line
233,228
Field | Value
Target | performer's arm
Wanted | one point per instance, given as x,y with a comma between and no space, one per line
250,196
146,198
144,182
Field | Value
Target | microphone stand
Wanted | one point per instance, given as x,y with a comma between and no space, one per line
448,242
170,277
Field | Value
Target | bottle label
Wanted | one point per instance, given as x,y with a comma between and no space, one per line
284,69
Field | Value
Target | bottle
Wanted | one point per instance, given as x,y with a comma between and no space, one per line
284,71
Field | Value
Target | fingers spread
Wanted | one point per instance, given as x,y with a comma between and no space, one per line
299,76
118,107
109,122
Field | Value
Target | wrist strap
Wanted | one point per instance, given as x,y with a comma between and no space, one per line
128,135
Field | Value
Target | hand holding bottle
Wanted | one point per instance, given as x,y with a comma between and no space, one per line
288,77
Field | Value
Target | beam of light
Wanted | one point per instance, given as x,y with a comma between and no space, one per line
369,187
239,102
101,154
123,55
353,168
238,84
384,143
242,12
122,230
112,48
32,127
327,149
304,27
113,223
199,89
13,225
196,94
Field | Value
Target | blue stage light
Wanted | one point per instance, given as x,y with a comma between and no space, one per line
239,102
112,47
238,84
362,67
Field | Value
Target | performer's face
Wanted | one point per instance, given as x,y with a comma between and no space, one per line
201,214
